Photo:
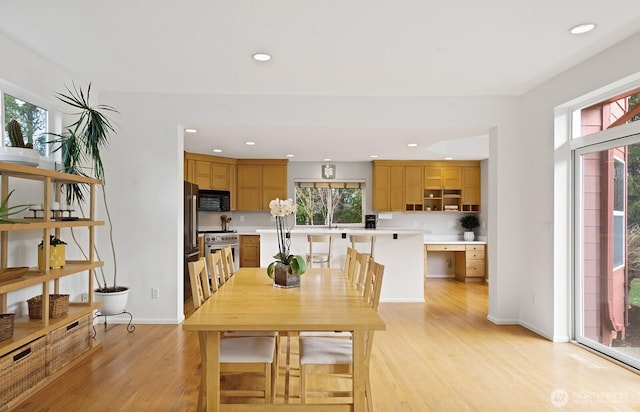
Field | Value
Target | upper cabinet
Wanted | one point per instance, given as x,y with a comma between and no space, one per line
259,181
209,172
426,185
388,188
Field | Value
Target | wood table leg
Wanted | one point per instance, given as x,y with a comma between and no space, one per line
359,371
212,371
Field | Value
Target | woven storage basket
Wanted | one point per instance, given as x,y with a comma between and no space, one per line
6,325
68,342
58,306
22,369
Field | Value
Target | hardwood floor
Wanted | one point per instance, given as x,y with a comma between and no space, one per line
440,356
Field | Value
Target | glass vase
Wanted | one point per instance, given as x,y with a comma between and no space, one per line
283,278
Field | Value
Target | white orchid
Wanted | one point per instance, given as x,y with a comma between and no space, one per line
280,209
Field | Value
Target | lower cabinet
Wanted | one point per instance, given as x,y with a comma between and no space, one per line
470,260
249,251
472,265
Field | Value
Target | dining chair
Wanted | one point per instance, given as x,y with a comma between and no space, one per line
360,271
227,259
369,239
337,354
216,269
319,257
238,355
350,263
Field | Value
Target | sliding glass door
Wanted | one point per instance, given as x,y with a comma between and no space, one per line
607,239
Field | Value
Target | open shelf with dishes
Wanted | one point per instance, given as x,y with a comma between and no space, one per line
44,337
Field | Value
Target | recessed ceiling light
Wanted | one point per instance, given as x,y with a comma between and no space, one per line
250,143
448,158
412,144
373,156
582,28
326,159
289,155
261,57
190,130
217,150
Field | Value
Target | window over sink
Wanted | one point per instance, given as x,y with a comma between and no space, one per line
322,203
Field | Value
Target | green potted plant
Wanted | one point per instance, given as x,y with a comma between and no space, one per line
6,210
469,222
19,151
80,144
287,268
57,253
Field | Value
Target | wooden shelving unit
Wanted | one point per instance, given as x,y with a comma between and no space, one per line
27,331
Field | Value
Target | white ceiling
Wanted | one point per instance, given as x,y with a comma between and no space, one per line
320,48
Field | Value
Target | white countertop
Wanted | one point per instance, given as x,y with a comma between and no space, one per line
355,231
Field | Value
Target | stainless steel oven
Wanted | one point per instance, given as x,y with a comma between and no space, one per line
215,240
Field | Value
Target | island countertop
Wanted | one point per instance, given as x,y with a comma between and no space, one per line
349,231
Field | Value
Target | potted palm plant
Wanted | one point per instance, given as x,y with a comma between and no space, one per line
469,222
80,144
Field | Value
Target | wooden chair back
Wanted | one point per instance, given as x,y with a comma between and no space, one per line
214,261
373,283
370,239
199,282
350,263
315,257
227,258
360,271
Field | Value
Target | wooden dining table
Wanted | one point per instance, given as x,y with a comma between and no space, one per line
325,301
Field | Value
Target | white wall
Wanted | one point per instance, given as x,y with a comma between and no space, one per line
545,270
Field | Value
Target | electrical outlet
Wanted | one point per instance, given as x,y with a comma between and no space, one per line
242,218
155,293
84,297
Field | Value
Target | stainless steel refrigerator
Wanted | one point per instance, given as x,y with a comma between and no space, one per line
191,251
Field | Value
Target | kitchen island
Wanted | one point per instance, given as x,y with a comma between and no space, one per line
401,251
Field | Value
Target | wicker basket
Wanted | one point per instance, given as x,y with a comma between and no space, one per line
6,325
58,306
68,342
22,369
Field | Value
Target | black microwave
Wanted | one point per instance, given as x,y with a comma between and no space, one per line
214,200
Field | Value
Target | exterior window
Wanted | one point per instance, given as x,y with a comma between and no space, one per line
33,121
325,204
618,213
612,112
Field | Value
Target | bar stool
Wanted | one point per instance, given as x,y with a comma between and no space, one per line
315,257
371,239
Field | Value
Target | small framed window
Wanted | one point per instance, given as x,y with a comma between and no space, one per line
329,203
33,120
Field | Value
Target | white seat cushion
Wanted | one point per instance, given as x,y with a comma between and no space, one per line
247,350
325,351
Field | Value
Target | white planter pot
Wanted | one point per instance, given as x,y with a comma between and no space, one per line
20,155
112,302
469,236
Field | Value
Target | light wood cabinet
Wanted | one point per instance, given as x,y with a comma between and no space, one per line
413,188
471,265
250,251
426,185
47,332
388,188
259,181
209,172
470,260
471,189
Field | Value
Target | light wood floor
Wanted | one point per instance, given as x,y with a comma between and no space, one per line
439,356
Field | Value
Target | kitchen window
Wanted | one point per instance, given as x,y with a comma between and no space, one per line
33,120
330,203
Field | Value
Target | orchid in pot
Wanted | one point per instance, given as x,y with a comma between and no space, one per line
287,268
